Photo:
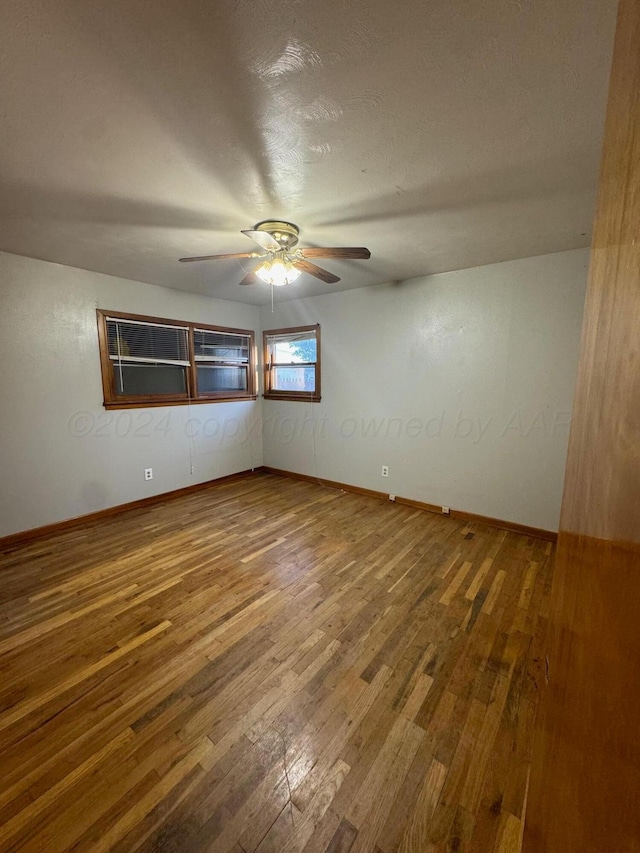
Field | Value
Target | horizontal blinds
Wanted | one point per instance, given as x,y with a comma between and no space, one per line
221,346
291,337
150,343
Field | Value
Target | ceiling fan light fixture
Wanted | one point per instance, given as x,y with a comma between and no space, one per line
277,272
282,263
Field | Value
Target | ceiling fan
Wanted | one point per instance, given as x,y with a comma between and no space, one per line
280,261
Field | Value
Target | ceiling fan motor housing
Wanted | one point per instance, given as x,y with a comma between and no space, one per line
286,233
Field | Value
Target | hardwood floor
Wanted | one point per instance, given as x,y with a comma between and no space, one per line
270,666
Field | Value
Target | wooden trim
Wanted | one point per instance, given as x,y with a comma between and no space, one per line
511,526
79,521
332,484
419,505
296,396
106,370
318,395
193,402
114,401
193,376
301,397
143,318
313,327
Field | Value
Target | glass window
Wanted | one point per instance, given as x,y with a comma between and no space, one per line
292,363
148,361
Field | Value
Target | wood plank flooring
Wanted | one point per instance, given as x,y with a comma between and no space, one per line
273,666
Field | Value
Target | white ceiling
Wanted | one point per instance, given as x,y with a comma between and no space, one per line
442,134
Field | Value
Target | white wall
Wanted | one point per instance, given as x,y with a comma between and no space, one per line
462,383
62,454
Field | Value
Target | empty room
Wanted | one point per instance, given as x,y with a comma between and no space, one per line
320,494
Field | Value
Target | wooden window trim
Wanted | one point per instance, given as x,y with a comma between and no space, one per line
299,396
113,401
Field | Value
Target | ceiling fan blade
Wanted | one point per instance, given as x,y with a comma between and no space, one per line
318,272
262,238
220,257
359,253
250,278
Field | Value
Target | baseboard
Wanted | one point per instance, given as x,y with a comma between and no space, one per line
60,526
332,484
511,526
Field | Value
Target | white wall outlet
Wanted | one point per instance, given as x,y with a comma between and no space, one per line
148,473
392,497
385,471
446,510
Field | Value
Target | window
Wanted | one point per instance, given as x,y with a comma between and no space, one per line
149,361
223,362
292,364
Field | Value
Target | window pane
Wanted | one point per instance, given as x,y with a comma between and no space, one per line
214,378
140,340
293,379
284,351
138,379
220,345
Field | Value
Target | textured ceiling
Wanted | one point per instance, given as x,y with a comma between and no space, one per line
442,134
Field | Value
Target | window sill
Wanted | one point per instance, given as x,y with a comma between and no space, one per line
299,398
148,404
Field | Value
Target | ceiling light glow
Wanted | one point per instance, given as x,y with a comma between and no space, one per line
277,272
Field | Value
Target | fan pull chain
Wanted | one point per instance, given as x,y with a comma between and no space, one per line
272,299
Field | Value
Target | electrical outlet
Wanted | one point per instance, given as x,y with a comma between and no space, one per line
385,471
148,473
392,497
446,510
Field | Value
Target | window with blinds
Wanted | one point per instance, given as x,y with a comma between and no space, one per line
146,360
222,362
292,363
